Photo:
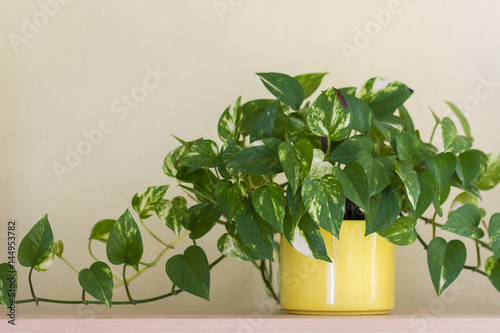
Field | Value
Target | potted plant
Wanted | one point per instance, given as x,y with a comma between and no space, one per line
342,178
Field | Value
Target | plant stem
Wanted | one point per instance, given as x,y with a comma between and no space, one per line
328,146
478,255
474,269
424,244
268,285
126,284
67,263
83,297
137,301
433,131
152,233
434,225
31,287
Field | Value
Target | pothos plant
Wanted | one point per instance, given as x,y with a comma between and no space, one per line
289,167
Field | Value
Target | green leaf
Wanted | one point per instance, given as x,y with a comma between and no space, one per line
229,197
295,204
98,281
492,268
250,111
464,222
269,202
203,154
124,244
8,284
310,82
491,177
383,95
362,117
319,167
296,161
37,247
471,164
171,161
384,210
173,213
101,230
305,237
201,219
410,180
451,140
442,167
327,117
269,124
390,126
445,261
409,126
378,171
259,158
190,271
144,202
229,126
408,147
354,183
402,232
428,191
494,234
348,150
255,233
462,199
324,200
284,87
226,157
234,248
461,118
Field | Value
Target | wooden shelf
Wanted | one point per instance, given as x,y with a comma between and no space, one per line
137,319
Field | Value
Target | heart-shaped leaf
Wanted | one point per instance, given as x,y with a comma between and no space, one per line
390,126
402,232
173,213
461,118
144,202
190,271
348,150
410,180
383,95
492,268
306,238
269,124
362,116
428,191
203,154
354,183
229,197
384,209
445,261
324,201
201,219
98,281
379,171
284,87
408,147
101,230
310,82
124,244
328,117
409,126
463,198
491,177
8,284
451,140
269,202
255,233
295,204
259,158
319,167
494,234
250,111
464,222
442,167
296,161
234,248
471,164
37,247
229,126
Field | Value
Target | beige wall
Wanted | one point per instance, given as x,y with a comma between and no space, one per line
68,75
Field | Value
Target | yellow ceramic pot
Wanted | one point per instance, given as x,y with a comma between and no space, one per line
359,280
